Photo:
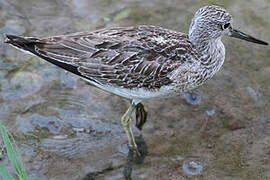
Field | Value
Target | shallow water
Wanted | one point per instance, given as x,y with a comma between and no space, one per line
67,129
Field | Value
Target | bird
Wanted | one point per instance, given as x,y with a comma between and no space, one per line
141,62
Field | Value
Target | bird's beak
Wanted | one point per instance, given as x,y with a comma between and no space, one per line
238,34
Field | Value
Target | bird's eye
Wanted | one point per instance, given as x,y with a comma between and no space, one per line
225,26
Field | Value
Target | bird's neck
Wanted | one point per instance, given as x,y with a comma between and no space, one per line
212,55
212,51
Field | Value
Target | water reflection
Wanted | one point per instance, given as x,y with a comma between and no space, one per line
133,159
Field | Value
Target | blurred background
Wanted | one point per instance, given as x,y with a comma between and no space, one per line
67,129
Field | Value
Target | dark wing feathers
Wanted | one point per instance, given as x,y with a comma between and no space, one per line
129,57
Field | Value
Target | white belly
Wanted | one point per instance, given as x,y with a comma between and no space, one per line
139,93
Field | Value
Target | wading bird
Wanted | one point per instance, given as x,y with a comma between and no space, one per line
143,62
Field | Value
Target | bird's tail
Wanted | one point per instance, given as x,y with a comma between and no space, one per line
23,43
29,45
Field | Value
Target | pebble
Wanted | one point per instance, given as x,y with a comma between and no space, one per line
211,112
59,137
78,129
192,168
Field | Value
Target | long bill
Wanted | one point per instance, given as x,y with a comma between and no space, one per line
240,35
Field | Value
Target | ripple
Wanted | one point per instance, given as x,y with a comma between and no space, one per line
28,124
115,177
192,168
211,112
13,26
179,158
123,148
22,84
192,98
60,137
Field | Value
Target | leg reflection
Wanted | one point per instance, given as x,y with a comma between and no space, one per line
133,159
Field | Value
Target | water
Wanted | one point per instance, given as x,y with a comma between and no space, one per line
67,129
123,148
211,112
192,98
192,168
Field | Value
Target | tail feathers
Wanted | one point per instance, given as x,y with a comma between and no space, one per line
26,44
13,39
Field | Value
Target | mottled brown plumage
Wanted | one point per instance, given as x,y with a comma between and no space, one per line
128,57
141,62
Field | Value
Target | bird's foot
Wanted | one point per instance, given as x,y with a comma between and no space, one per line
135,149
141,116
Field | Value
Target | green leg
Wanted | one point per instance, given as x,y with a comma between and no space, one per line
126,120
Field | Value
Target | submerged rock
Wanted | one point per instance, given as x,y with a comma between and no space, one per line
22,84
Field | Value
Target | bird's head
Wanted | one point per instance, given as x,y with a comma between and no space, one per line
212,23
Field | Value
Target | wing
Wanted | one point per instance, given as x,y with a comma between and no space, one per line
131,57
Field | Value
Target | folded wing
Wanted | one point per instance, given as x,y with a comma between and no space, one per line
132,57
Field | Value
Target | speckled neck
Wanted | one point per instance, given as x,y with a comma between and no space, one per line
212,53
210,49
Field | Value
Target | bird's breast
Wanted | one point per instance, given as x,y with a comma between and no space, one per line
191,75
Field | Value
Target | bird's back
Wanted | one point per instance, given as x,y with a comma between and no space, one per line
143,57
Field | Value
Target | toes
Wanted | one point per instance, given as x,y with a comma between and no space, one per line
141,116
